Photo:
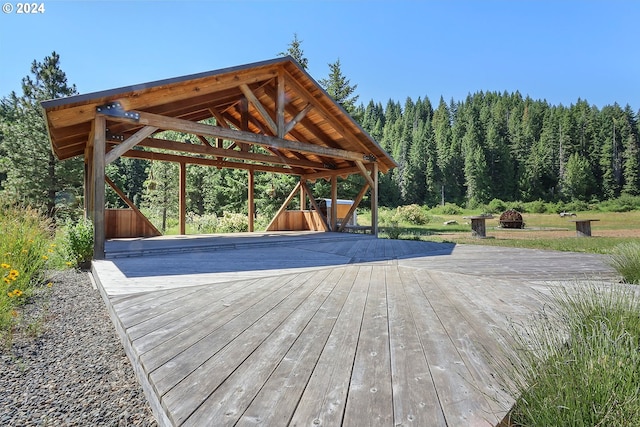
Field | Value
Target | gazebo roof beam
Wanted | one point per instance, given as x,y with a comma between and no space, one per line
164,144
166,157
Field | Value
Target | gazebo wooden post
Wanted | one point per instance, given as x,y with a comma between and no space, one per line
98,187
303,199
183,198
374,199
251,206
88,180
334,203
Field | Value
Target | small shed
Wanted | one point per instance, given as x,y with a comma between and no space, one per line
269,116
342,210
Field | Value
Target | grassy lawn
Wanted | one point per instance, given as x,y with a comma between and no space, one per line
542,231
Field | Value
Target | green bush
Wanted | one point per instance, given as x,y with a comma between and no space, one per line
447,209
203,224
78,242
573,206
624,203
579,364
625,259
412,214
25,249
496,206
537,206
232,223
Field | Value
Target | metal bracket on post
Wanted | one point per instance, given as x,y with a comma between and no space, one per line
114,109
369,158
114,136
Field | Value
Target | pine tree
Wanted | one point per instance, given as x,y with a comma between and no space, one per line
160,196
296,52
631,155
448,158
33,175
578,182
339,87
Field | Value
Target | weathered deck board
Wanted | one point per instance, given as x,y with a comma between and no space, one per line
231,398
323,401
415,399
229,342
370,396
456,395
361,332
272,403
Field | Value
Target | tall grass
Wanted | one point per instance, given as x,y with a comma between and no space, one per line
625,259
579,364
25,249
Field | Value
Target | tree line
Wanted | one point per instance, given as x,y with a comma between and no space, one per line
489,146
504,146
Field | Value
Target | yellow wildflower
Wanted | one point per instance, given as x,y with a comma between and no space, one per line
44,257
69,263
14,313
17,293
50,251
50,284
24,251
5,265
13,274
53,245
7,280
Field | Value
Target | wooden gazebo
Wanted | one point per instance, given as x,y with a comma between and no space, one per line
273,104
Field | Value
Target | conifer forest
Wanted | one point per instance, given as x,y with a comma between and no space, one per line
469,151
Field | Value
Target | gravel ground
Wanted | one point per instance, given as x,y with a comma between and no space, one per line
66,366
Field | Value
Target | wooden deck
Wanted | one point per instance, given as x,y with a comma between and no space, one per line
350,331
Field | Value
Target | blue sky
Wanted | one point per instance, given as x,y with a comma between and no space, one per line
554,50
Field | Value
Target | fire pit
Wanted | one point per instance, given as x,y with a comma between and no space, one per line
511,219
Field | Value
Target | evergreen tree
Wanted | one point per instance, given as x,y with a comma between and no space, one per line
610,156
339,87
296,52
631,155
129,175
160,196
33,175
448,155
476,171
578,181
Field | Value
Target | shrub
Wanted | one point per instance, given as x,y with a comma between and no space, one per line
625,259
496,206
412,214
203,224
576,206
624,203
78,242
537,206
24,253
232,223
579,364
447,209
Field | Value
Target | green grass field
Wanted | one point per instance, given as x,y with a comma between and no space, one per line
542,231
